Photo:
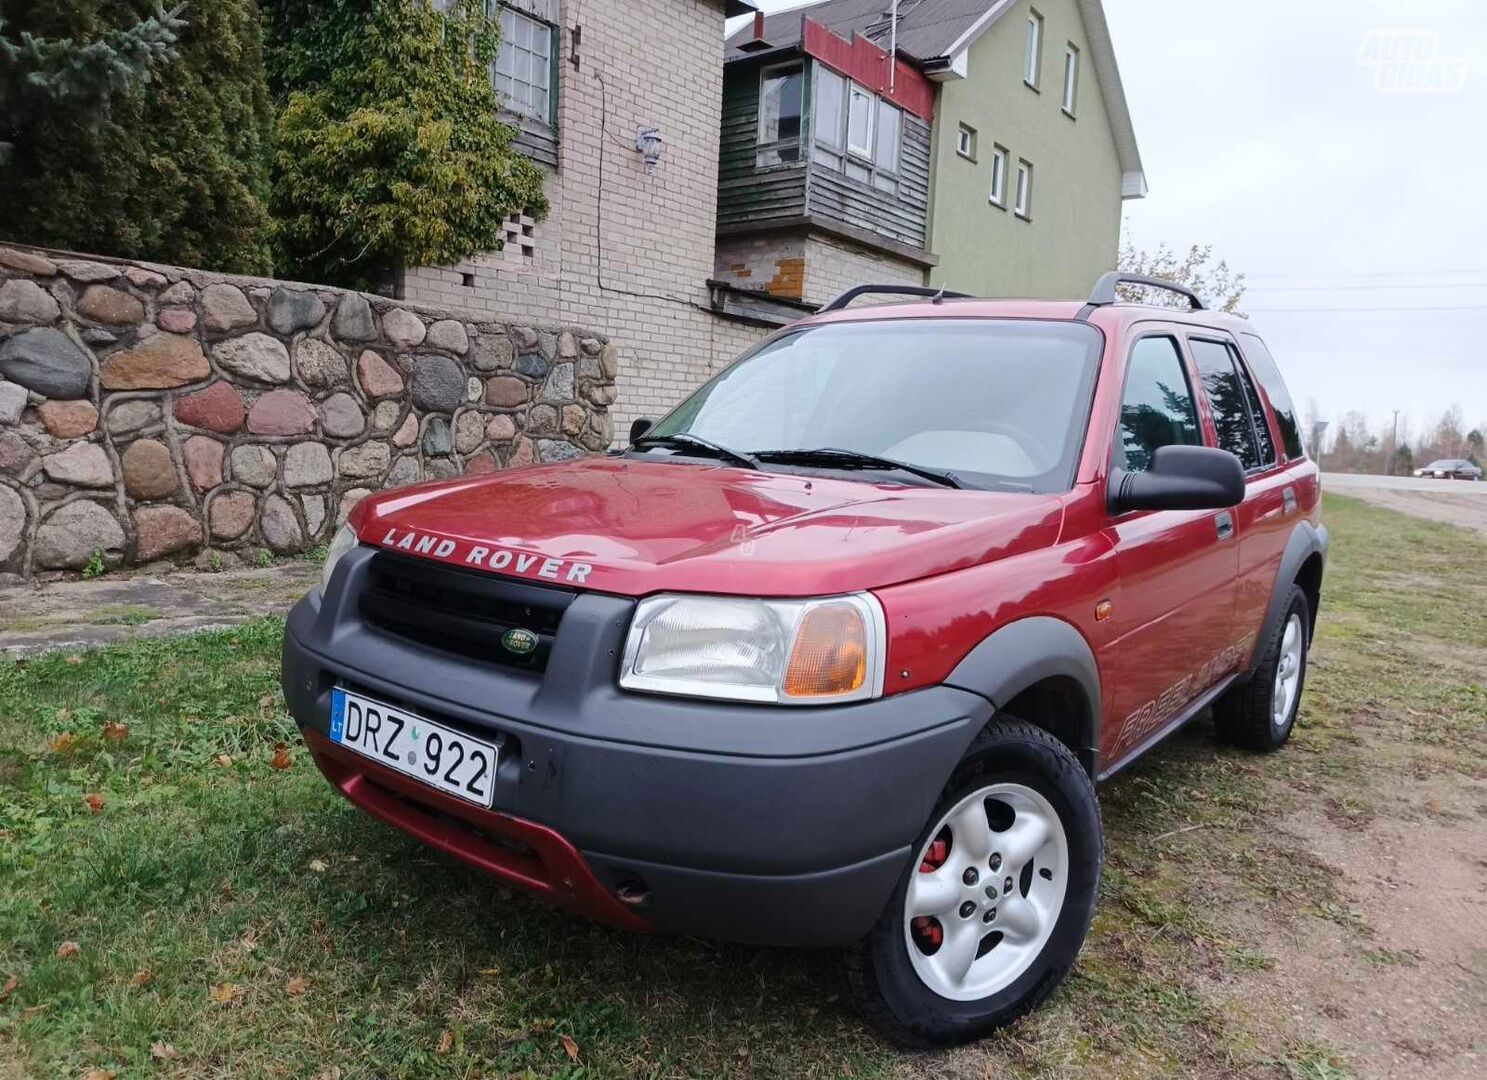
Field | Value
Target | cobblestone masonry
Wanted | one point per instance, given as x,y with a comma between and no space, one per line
149,412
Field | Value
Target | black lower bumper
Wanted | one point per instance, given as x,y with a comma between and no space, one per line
749,823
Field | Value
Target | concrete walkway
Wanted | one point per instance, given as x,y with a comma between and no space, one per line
75,614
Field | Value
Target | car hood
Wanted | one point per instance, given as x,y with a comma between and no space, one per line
637,527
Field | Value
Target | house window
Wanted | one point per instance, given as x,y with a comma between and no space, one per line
1024,204
999,176
965,142
781,101
522,71
889,140
1071,78
1034,49
855,132
860,104
830,97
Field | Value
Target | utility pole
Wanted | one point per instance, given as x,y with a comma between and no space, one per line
1394,444
893,47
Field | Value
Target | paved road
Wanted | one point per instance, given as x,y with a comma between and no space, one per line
1349,482
1457,502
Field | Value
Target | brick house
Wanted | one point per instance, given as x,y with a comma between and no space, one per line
962,145
626,246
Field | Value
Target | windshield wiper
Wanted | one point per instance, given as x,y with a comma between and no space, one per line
738,457
834,458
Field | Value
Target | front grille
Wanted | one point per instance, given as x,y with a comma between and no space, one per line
463,612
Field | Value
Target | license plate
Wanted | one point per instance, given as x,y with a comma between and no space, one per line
448,760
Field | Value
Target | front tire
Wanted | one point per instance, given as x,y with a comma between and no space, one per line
988,917
1260,714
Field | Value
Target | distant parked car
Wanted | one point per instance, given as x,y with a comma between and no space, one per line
1451,469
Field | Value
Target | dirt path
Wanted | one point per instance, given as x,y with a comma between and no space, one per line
74,614
1409,997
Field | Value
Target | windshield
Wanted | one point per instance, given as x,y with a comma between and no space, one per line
1001,403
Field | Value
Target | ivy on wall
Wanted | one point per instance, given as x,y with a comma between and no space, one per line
389,149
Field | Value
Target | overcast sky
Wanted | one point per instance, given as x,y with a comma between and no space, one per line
1359,215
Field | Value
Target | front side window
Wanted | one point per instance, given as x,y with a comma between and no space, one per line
781,101
1071,78
1157,409
1268,372
1034,48
1001,403
999,176
1024,206
522,71
1227,401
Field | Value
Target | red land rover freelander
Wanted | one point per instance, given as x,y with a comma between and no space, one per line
835,653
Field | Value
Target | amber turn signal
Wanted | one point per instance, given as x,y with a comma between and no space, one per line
830,653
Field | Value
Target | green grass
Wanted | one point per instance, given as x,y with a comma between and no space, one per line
345,946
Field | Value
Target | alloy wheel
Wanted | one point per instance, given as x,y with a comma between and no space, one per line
1288,672
987,893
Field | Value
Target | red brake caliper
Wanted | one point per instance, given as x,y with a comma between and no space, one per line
934,856
927,929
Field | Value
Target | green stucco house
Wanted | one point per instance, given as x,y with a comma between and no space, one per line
981,145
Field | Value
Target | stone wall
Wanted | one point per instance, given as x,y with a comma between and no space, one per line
149,412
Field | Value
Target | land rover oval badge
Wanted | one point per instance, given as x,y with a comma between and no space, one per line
519,641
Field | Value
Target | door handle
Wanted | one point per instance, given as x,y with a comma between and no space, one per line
1225,524
1289,498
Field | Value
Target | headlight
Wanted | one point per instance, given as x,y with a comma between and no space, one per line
345,540
790,652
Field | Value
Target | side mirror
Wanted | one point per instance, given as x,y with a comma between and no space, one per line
639,427
1180,478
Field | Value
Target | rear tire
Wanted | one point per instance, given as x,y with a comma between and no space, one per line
1012,885
1260,714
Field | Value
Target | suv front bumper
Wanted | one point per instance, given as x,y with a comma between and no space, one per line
773,825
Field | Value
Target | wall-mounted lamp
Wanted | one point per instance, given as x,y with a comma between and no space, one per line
650,145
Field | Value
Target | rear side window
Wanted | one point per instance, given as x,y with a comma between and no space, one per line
1233,413
1157,409
1265,369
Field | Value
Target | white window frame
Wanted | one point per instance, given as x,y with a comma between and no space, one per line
857,92
1071,79
1033,69
999,159
763,146
965,141
1024,204
546,117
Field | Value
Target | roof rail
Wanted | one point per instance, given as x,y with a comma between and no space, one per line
1104,291
891,290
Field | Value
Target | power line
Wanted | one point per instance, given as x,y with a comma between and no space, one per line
1368,274
1358,310
1349,288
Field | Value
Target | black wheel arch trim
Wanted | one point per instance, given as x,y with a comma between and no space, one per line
1029,651
1305,541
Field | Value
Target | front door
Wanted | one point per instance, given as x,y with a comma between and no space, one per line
1173,614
